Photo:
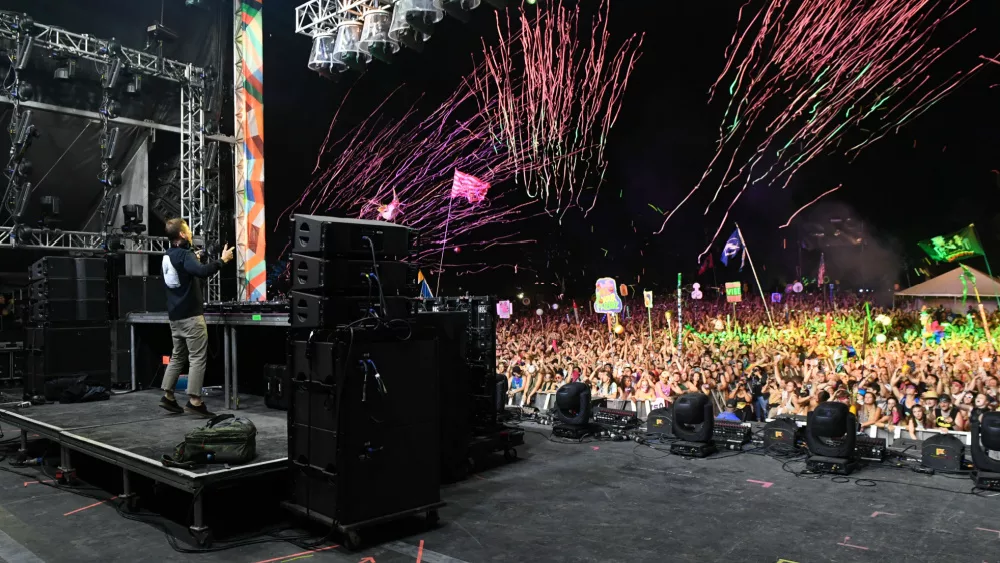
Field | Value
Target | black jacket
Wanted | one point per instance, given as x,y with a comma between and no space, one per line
181,269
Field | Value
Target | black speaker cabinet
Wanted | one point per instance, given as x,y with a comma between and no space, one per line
314,311
70,288
330,237
782,433
278,387
345,276
942,453
69,311
141,294
68,268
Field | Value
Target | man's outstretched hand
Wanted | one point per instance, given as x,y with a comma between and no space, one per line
227,253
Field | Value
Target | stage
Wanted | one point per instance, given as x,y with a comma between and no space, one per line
600,502
132,432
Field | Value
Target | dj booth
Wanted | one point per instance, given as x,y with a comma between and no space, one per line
231,324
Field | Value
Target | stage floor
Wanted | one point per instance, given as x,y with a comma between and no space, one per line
595,502
135,424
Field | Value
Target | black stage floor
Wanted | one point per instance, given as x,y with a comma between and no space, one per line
589,502
134,423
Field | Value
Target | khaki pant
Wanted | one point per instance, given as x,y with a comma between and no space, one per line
190,351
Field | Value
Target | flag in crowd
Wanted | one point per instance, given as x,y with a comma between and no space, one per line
821,274
953,247
734,246
706,265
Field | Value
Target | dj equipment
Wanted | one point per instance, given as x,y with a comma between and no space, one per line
942,453
278,387
782,434
341,275
660,421
248,307
141,294
832,465
730,435
331,237
363,432
615,418
870,449
573,431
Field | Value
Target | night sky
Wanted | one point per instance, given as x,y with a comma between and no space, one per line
660,147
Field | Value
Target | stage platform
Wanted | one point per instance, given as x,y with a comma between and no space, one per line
132,432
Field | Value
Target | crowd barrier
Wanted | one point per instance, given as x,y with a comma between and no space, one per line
545,401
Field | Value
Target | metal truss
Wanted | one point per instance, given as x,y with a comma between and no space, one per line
192,155
239,156
320,16
78,241
57,40
212,210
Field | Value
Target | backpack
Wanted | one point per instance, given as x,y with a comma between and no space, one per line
224,439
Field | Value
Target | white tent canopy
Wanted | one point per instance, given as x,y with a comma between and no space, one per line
946,290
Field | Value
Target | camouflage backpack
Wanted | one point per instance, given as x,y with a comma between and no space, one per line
224,439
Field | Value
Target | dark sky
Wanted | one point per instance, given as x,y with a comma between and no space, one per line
662,144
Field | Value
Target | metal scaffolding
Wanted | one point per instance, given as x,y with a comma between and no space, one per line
79,241
197,193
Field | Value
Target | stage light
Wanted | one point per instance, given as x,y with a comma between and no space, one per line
134,86
831,437
693,423
67,72
50,211
321,57
111,179
21,202
109,78
22,91
573,411
401,31
421,14
458,9
375,35
986,451
109,142
111,209
111,109
347,48
132,219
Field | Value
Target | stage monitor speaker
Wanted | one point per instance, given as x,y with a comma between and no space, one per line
782,434
141,294
344,276
942,453
330,237
68,268
660,421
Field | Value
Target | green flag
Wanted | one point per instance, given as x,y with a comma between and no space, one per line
954,247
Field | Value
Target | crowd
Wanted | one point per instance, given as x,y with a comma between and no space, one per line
896,368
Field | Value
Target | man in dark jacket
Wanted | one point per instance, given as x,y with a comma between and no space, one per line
181,270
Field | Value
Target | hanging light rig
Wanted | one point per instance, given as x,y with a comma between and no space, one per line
348,34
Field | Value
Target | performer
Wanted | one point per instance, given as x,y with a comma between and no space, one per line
181,267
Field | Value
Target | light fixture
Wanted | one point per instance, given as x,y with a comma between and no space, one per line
375,35
458,9
109,78
67,72
573,411
831,437
109,142
111,179
986,441
50,211
111,209
322,52
421,14
694,423
132,219
347,49
134,86
402,32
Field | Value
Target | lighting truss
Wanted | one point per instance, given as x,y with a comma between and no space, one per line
323,16
191,78
57,40
49,239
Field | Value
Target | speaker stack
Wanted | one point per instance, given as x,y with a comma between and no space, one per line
68,336
363,414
